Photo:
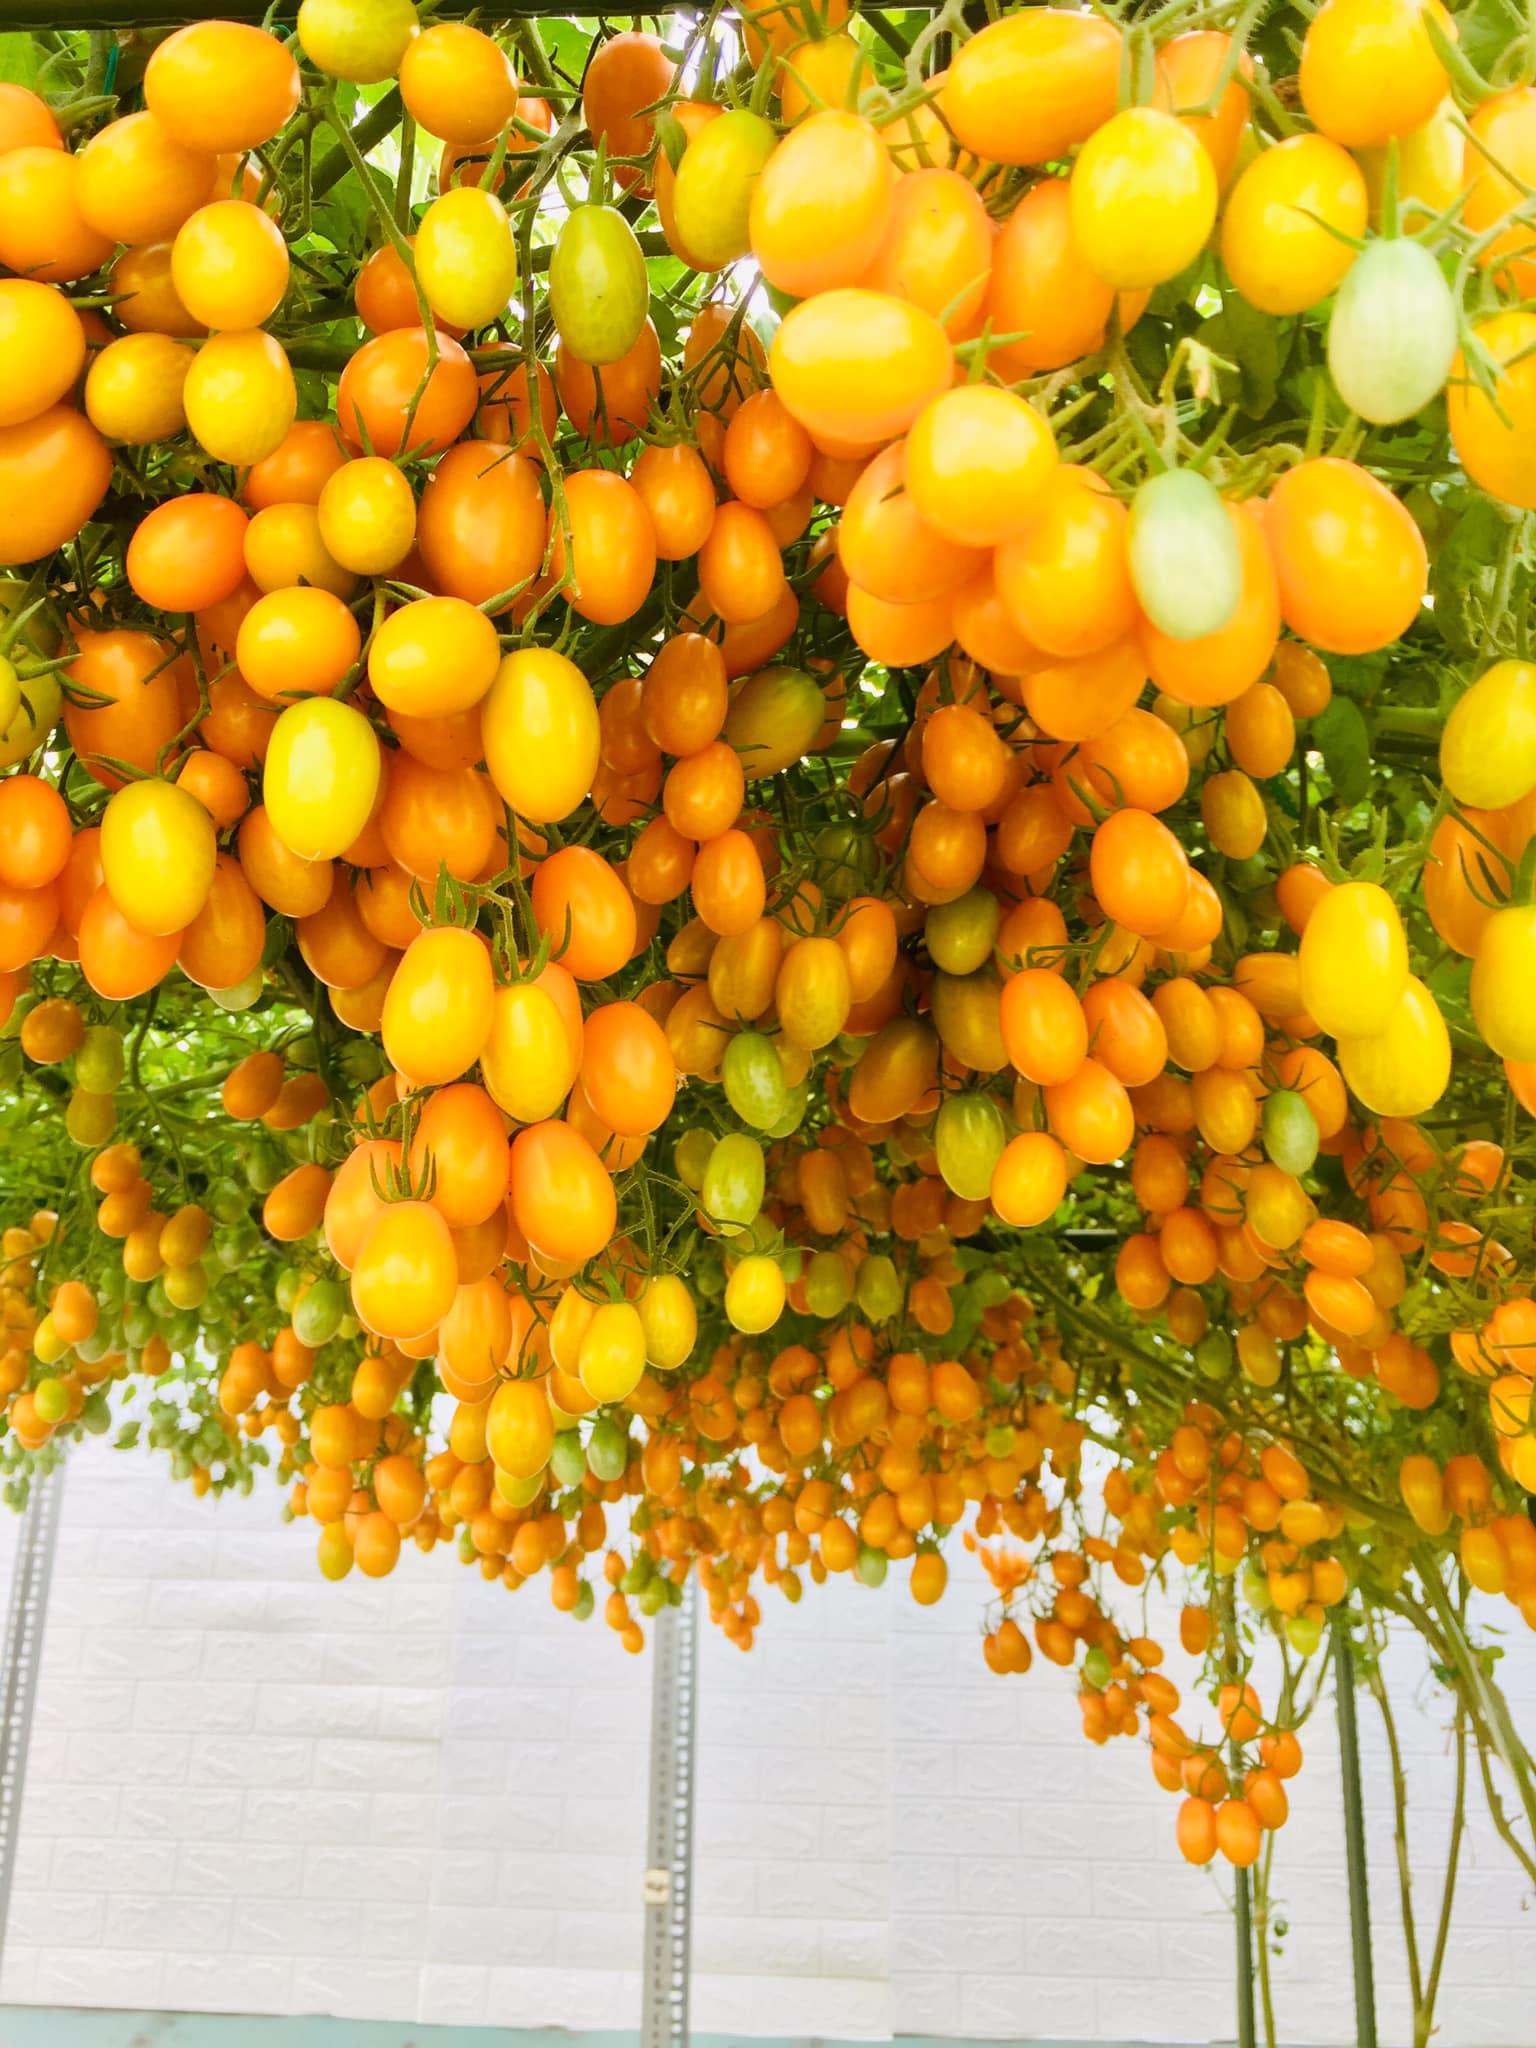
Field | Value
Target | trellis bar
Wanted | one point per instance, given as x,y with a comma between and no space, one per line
669,1857
129,14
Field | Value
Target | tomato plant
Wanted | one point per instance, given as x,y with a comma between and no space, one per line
741,786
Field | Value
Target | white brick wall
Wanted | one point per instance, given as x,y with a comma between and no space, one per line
425,1800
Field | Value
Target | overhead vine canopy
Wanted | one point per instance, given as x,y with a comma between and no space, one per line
756,770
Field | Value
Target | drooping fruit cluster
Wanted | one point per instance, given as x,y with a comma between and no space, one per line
755,778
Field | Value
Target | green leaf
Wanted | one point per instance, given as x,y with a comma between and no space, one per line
1259,346
21,60
1464,574
1341,736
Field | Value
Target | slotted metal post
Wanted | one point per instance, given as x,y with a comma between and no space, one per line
20,1659
669,1856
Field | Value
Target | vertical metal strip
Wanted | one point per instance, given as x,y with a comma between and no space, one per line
1354,1835
20,1659
669,1873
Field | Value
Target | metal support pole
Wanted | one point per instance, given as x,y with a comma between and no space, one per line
668,1888
1354,1835
1242,1913
20,1658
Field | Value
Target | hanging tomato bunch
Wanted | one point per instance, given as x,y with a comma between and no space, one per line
768,802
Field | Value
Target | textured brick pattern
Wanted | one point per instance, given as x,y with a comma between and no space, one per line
426,1800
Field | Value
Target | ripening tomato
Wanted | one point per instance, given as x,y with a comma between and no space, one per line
1351,563
363,41
1290,222
434,657
1502,984
855,368
1353,961
116,958
1189,68
692,117
297,643
528,1059
131,704
821,205
586,911
937,249
320,777
137,183
714,182
741,572
1024,90
54,472
432,817
457,82
221,87
627,1071
240,397
437,1014
611,404
188,554
1215,668
224,941
157,855
519,1428
406,390
675,487
1494,434
541,734
133,388
1369,71
43,232
482,523
1143,198
1404,1069
562,1197
42,347
612,546
466,257
887,547
977,463
229,265
404,1277
599,288
26,121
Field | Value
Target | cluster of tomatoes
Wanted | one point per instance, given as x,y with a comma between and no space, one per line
689,878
